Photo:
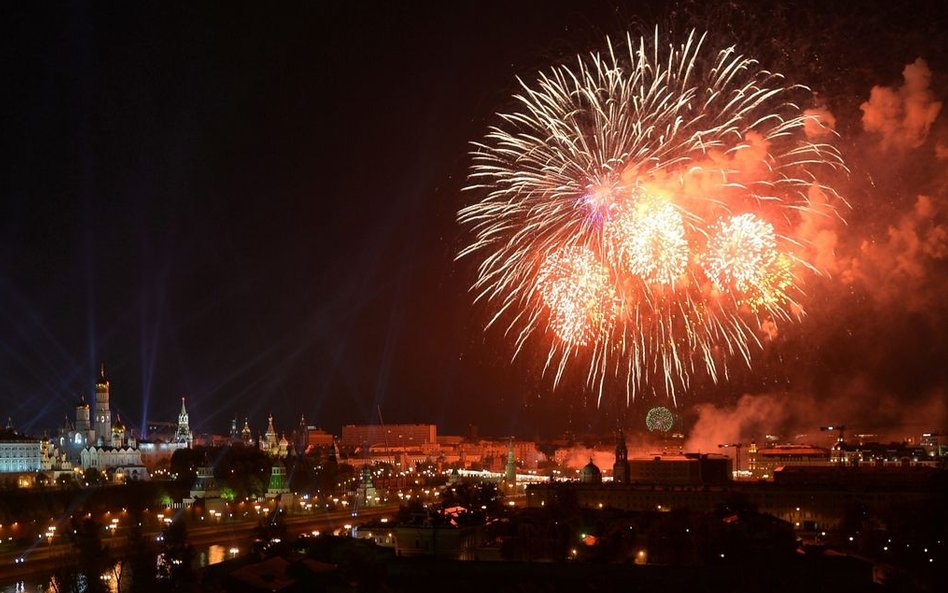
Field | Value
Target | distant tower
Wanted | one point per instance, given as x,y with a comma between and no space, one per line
302,435
269,442
83,423
103,416
246,434
620,469
183,434
510,470
277,486
234,434
332,460
367,493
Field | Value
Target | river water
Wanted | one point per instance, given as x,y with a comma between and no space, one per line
205,556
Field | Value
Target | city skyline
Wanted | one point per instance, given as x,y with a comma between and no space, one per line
263,218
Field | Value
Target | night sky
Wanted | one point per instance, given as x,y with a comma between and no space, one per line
256,208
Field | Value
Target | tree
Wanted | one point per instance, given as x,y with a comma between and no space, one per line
272,526
138,558
93,477
92,556
177,556
65,481
184,463
243,469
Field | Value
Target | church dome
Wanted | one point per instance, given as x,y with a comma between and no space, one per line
590,474
118,426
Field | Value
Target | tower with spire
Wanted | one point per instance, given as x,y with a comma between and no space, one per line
269,442
103,416
183,434
510,469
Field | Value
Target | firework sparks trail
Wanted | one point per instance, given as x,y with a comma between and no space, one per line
640,212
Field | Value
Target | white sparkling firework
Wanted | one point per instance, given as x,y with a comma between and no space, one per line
648,240
576,289
740,253
643,205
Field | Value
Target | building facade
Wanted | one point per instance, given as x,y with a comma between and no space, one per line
20,454
391,435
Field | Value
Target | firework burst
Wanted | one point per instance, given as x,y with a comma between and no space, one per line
640,212
659,419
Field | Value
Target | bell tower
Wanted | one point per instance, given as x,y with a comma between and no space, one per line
103,416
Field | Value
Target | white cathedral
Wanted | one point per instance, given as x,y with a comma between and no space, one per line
98,443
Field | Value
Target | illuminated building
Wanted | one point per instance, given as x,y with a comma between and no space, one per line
19,453
103,415
688,469
83,434
510,468
812,499
882,454
368,496
590,474
277,487
929,442
121,437
183,433
206,490
111,446
391,435
154,452
317,438
272,446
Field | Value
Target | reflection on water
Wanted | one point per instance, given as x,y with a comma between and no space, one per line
113,577
214,555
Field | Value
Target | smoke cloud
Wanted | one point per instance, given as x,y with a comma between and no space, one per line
870,352
902,116
577,457
797,418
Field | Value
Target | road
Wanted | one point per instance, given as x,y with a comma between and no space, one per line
43,558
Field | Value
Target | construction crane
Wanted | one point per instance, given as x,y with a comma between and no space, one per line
840,430
737,454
